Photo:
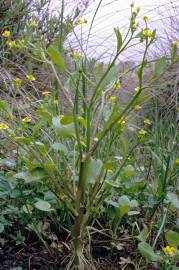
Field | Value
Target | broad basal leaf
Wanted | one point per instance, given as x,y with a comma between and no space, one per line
147,252
172,238
43,206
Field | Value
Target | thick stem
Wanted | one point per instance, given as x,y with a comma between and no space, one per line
78,229
78,243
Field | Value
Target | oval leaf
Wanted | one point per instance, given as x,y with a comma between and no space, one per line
147,252
172,238
119,38
56,57
43,205
63,130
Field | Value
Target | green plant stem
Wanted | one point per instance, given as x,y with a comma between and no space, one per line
80,208
125,111
161,227
107,71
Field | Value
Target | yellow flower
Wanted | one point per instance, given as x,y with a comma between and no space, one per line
147,33
142,132
169,250
55,102
74,55
117,85
177,161
22,41
81,21
6,34
85,21
32,23
112,98
3,126
176,43
78,21
109,171
147,122
122,122
46,93
136,90
18,81
145,18
138,107
26,119
135,25
30,77
12,44
61,116
177,108
95,139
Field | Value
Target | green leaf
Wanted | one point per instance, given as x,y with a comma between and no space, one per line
43,206
63,130
142,99
23,140
107,165
124,200
94,169
123,209
133,213
57,41
5,107
134,186
41,147
82,121
65,120
98,71
56,56
124,205
60,147
160,66
1,227
143,234
173,198
110,78
128,171
27,208
174,52
172,238
119,38
134,203
147,252
112,203
7,163
37,50
112,184
35,175
140,69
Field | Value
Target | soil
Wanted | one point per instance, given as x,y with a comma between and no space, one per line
32,255
36,257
